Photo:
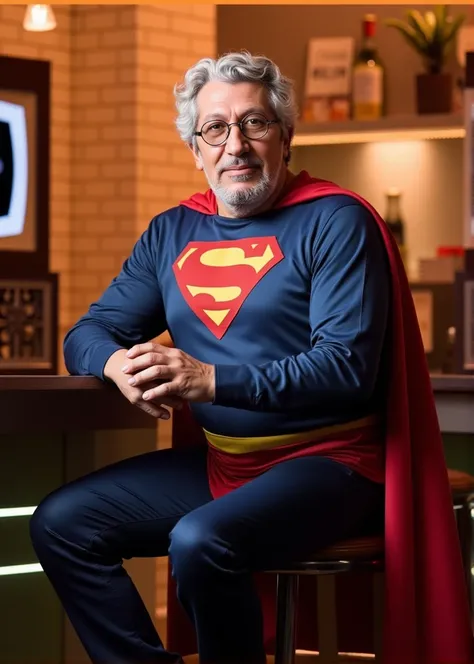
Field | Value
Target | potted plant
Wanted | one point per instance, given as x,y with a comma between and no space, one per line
432,35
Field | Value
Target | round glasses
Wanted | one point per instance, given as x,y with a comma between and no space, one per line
252,126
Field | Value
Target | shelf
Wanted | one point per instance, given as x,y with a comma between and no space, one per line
395,128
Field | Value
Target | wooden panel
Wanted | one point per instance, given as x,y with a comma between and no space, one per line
65,403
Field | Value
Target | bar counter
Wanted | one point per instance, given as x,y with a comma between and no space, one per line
52,430
57,403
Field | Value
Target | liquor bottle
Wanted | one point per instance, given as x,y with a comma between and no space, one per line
368,73
395,222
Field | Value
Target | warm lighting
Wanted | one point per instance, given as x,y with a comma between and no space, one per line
39,18
13,570
374,136
8,512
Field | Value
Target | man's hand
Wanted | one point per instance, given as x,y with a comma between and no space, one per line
113,371
179,374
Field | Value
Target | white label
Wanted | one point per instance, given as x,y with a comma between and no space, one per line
328,68
368,85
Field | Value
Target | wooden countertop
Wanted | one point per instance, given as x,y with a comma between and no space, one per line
39,404
35,404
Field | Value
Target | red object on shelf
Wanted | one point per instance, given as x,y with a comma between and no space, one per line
442,252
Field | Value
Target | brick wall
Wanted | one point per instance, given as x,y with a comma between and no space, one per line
103,147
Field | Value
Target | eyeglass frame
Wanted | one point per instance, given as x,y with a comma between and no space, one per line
236,124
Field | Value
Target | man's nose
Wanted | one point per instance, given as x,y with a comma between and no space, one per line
236,142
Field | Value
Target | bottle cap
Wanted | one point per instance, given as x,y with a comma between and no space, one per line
370,21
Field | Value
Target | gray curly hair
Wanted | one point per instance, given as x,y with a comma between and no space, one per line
234,68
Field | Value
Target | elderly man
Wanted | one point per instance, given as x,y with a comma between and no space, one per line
297,349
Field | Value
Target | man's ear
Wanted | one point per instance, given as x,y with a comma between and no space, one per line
197,156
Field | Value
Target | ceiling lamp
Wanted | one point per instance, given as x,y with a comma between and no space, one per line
39,18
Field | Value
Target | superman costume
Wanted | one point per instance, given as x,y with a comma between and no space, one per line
217,276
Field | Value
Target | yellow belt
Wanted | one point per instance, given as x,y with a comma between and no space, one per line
233,445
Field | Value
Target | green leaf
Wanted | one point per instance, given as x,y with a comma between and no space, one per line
408,33
417,21
453,28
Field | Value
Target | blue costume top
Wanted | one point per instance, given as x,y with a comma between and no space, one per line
290,306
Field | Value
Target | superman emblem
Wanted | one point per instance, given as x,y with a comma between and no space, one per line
215,278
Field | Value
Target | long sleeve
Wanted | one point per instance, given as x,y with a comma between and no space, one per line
349,303
130,311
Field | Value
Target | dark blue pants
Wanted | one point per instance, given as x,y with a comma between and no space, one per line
159,504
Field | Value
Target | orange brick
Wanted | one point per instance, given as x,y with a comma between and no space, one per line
86,134
168,41
117,245
118,171
88,97
192,26
128,75
115,38
102,263
98,76
152,18
117,209
101,59
128,112
203,48
100,189
85,245
99,226
100,152
83,41
128,16
117,133
101,115
101,19
114,94
128,56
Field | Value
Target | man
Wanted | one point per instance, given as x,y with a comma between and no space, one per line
284,298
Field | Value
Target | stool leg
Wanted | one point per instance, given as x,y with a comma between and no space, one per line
464,523
287,595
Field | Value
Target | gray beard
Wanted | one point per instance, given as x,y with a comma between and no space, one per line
241,202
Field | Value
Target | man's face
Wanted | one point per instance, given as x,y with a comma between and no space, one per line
243,172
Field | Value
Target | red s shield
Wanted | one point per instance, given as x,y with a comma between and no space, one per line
215,278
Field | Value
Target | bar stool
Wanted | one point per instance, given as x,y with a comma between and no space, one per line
347,556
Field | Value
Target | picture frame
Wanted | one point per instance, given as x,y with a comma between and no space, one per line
24,166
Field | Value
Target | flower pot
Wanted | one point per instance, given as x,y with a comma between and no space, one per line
434,93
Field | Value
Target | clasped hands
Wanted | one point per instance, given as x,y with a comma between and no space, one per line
153,375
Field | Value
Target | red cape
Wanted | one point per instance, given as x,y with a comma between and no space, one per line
426,617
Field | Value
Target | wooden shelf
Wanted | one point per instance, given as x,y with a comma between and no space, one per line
394,128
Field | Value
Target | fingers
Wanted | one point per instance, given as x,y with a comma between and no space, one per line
154,373
143,349
161,392
145,361
153,409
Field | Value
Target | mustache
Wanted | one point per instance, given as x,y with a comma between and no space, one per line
249,163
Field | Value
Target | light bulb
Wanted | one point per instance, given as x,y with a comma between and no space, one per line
39,18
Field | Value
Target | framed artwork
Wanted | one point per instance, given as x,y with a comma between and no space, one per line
24,166
28,325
